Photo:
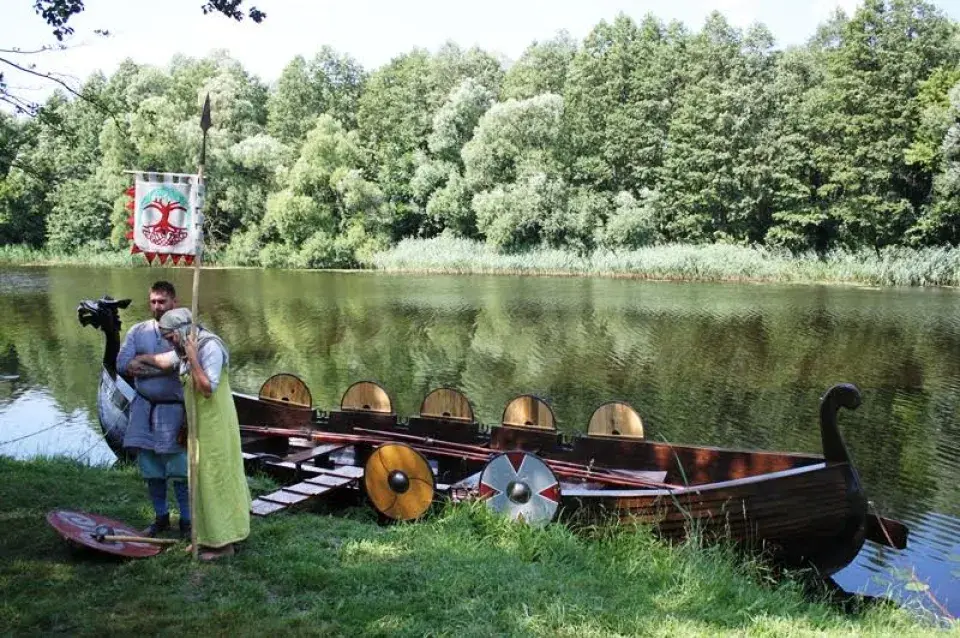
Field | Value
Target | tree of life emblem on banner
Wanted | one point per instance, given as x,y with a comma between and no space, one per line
164,209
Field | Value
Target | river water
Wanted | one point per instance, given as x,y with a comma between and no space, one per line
711,364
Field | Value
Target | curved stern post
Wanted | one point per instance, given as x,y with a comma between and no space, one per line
842,395
851,537
884,531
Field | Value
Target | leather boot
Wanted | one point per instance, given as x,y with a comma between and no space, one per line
160,524
185,529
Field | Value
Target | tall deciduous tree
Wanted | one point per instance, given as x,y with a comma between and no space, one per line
868,116
330,83
542,68
619,97
437,184
728,165
396,112
941,222
511,166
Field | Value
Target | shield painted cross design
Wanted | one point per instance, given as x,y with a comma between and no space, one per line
520,486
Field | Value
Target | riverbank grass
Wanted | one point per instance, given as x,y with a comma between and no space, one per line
462,572
680,262
708,262
20,255
97,255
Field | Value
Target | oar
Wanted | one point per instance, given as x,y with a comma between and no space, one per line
569,468
469,452
886,531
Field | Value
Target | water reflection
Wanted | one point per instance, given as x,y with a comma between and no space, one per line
32,424
724,365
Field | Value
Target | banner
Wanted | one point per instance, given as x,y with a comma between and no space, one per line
165,207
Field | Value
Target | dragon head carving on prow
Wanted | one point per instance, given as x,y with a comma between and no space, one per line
102,314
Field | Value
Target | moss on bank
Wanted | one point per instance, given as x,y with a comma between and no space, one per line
462,572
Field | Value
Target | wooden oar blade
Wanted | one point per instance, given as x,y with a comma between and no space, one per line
886,531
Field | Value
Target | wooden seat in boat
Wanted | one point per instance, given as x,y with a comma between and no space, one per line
284,401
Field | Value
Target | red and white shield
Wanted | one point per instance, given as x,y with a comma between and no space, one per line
521,486
80,528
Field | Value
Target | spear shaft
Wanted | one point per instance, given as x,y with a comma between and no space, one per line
192,447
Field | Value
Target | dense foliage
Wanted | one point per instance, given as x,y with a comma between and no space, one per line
642,133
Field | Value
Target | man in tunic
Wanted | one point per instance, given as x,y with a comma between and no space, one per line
156,414
222,516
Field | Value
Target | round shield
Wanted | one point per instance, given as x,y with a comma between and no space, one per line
80,528
520,486
399,481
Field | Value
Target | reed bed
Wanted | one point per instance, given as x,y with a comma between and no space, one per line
708,262
95,256
896,266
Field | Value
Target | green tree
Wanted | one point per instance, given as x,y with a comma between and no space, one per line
512,167
328,212
867,116
940,223
619,96
395,118
331,83
727,169
437,185
542,68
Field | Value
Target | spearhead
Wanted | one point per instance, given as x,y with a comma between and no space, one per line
205,117
204,125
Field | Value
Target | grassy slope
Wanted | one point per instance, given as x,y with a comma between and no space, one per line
462,572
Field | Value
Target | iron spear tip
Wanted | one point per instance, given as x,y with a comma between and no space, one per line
205,117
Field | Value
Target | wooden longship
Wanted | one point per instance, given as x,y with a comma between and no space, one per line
801,510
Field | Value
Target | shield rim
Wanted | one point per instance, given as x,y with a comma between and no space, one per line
76,534
525,454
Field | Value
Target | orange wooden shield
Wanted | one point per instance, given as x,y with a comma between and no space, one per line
78,527
399,481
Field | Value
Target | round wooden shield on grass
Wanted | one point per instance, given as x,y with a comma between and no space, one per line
399,481
521,486
79,527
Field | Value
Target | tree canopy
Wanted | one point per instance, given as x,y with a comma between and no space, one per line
642,132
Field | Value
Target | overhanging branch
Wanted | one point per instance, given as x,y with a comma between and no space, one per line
50,77
33,107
